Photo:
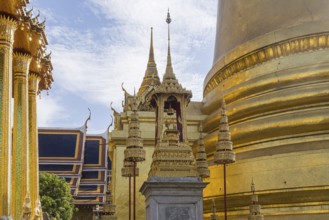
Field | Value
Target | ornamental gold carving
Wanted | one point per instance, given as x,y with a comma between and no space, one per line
34,80
21,63
7,29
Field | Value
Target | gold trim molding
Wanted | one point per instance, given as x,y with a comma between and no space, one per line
284,48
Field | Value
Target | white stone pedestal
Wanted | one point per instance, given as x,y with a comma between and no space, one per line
173,198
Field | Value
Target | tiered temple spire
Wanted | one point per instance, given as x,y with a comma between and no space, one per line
224,151
254,208
169,74
173,156
151,77
201,158
170,83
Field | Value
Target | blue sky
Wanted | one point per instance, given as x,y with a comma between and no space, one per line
98,44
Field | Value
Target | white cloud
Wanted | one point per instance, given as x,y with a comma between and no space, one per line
93,64
49,111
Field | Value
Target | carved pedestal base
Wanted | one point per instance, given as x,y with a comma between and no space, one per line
175,198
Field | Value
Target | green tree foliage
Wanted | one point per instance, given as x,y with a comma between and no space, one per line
56,198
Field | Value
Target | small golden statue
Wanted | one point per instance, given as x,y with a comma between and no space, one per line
27,208
38,210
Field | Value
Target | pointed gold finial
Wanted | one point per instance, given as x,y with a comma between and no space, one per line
254,208
168,20
253,188
151,55
169,74
88,119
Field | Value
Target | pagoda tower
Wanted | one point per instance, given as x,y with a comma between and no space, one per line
173,170
172,155
151,77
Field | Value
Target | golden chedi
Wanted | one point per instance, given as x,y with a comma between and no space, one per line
271,65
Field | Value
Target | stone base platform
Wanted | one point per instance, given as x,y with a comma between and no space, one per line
173,198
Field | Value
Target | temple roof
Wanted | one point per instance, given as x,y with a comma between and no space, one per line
61,152
79,158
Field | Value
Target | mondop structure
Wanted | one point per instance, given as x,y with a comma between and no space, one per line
271,68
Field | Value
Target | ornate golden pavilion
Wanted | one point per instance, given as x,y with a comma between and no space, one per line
25,71
271,68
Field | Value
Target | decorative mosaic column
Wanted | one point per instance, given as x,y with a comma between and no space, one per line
7,30
20,159
33,170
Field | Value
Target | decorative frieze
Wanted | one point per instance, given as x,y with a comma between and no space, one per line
280,49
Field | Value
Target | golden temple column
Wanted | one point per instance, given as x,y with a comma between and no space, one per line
20,159
33,172
7,30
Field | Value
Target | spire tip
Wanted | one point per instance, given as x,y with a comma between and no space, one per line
168,20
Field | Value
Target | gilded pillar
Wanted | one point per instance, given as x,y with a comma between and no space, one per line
7,30
20,159
33,141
